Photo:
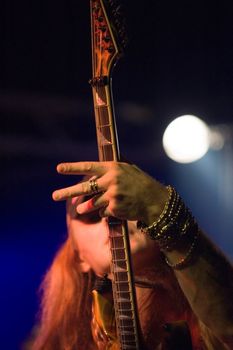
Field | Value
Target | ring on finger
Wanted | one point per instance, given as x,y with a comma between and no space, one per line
94,188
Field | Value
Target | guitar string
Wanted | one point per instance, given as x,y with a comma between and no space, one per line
121,250
106,154
101,117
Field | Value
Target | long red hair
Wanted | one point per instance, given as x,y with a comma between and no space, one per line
65,313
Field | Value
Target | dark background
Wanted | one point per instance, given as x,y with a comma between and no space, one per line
179,60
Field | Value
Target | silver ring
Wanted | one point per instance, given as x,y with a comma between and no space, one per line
94,188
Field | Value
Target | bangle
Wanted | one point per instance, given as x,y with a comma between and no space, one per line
184,262
175,222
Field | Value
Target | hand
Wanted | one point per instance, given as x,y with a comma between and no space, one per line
124,191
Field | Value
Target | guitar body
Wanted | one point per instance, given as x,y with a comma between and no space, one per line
176,335
103,322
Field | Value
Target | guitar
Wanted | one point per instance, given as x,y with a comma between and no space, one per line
108,42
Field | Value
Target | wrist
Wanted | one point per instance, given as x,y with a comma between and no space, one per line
154,209
173,225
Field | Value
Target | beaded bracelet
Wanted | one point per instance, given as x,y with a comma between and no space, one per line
175,221
184,261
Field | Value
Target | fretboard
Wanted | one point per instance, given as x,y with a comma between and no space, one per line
105,126
123,286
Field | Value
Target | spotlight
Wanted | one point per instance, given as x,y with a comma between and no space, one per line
186,139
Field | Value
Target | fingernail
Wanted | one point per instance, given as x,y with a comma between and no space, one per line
55,196
78,210
60,168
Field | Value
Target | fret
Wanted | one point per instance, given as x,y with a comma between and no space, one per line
119,282
128,338
123,293
123,300
105,152
101,106
115,232
126,314
124,332
121,265
104,139
128,343
126,323
104,135
118,260
129,346
123,327
119,270
119,254
125,317
126,310
117,243
121,277
123,287
103,126
117,248
102,116
126,303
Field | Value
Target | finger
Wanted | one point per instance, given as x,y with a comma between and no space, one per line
92,204
82,168
104,212
69,192
82,188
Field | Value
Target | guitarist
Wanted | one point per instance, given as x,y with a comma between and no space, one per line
184,284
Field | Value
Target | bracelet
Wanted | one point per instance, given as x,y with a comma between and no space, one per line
175,222
183,262
168,208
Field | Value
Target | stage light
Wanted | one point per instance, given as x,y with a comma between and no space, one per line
186,139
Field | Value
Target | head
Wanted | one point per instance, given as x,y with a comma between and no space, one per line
89,234
66,290
89,237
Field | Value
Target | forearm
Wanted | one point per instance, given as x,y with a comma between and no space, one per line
207,282
204,274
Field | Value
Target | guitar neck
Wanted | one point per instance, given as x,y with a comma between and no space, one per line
106,50
121,268
108,148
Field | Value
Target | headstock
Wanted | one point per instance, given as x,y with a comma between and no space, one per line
108,37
